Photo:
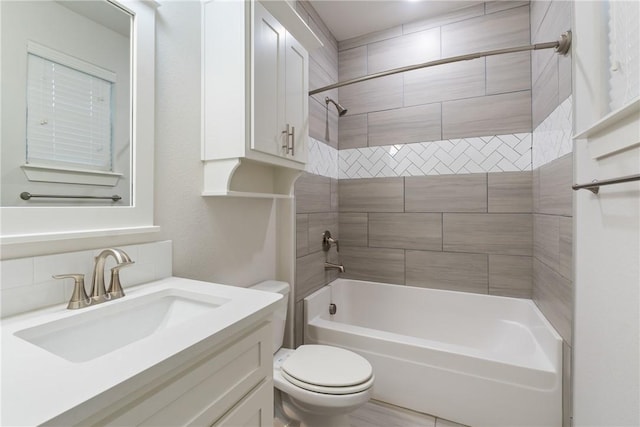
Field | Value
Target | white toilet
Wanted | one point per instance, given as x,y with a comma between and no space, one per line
316,385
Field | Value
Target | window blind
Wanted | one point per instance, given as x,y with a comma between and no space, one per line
69,119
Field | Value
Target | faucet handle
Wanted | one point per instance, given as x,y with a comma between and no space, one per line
327,241
115,288
79,298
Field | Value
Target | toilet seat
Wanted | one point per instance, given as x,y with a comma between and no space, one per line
328,370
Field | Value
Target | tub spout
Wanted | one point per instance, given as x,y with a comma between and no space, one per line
332,266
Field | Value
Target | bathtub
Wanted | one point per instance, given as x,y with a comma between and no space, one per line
474,359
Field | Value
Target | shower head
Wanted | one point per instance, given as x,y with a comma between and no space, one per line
341,110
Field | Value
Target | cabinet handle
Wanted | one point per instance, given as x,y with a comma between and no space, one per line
288,134
293,140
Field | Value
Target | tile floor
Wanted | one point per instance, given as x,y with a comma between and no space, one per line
380,414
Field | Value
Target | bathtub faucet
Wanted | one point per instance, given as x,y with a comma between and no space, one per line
332,266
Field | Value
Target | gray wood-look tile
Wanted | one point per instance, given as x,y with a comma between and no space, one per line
379,414
376,36
326,56
445,82
353,229
538,10
445,423
318,223
310,274
499,5
334,194
371,195
508,73
564,78
565,248
502,234
511,276
405,50
405,125
352,131
298,325
510,192
312,193
535,190
374,95
545,96
487,115
352,63
302,232
446,193
318,77
557,19
495,31
546,239
323,122
406,230
445,270
552,293
540,59
556,178
444,19
375,264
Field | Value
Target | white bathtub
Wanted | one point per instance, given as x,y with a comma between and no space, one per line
475,359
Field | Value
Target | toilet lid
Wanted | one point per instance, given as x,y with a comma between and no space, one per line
328,369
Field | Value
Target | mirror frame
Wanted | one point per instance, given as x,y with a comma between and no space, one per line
46,224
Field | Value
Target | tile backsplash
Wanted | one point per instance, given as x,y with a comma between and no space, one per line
26,283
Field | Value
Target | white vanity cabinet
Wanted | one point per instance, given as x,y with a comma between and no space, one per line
255,97
229,384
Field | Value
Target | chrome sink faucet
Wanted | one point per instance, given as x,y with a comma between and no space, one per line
98,292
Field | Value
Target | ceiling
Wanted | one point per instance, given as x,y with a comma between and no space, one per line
352,18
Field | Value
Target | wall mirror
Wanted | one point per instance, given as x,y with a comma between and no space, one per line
77,81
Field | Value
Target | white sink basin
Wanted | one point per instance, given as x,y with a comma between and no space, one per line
67,359
115,324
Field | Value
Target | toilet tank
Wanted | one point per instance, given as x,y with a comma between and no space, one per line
279,318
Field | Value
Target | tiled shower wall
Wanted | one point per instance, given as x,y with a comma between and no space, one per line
316,193
435,206
552,178
470,232
482,97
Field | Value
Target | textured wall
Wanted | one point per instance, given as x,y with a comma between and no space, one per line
215,239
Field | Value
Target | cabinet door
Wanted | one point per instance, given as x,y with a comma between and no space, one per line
255,410
268,82
297,97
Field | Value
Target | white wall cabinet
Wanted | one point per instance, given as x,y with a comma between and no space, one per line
255,98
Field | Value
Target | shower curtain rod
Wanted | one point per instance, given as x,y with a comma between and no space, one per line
561,46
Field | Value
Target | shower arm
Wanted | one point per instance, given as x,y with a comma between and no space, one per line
562,48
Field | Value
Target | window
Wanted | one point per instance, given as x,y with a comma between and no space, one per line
69,112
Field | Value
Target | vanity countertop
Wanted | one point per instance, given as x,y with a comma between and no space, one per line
38,386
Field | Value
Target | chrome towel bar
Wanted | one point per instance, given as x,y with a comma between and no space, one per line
26,196
594,186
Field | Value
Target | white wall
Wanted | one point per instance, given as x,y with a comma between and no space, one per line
215,239
607,249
